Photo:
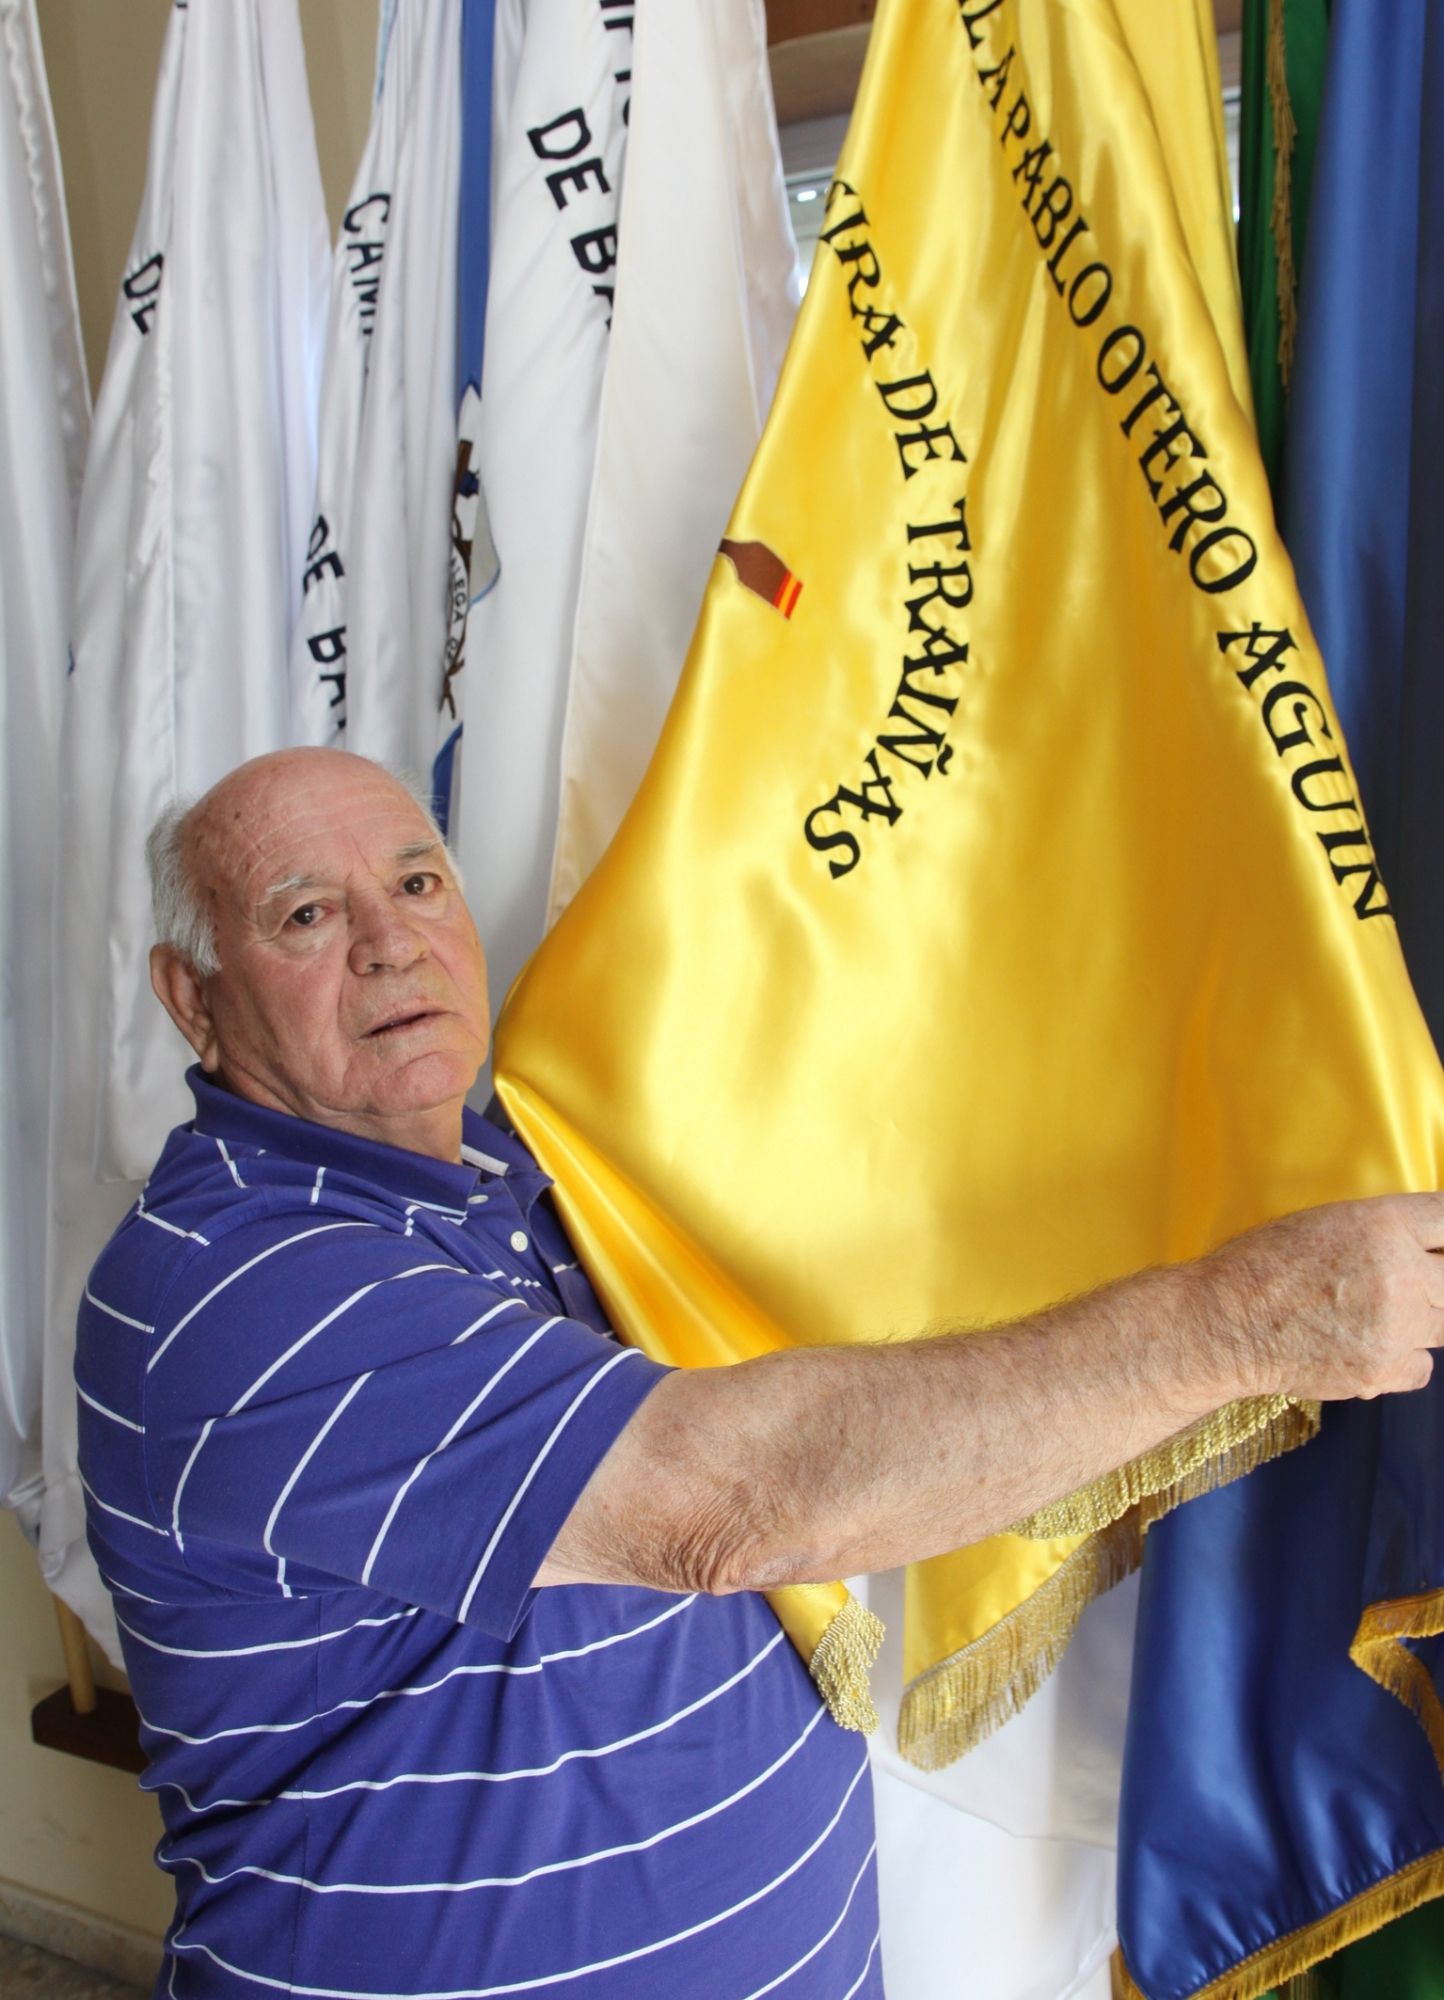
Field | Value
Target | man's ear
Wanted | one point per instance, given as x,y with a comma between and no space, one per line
182,992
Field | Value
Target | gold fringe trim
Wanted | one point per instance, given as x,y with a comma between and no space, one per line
965,1697
1281,212
1289,1957
1378,1648
1223,1447
842,1663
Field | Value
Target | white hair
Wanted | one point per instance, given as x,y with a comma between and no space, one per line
180,917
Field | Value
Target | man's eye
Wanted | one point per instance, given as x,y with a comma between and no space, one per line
419,885
306,916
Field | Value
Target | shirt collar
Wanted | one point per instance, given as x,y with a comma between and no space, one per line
220,1114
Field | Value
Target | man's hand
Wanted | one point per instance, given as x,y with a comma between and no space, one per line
1335,1302
824,1462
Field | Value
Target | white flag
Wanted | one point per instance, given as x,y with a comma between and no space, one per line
1005,1861
318,653
398,540
189,553
707,290
560,136
197,496
44,421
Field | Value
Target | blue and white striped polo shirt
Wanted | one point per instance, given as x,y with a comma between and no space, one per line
336,1400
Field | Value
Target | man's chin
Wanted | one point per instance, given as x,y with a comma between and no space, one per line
426,1079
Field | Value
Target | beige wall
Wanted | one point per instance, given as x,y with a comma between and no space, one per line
69,1830
75,1833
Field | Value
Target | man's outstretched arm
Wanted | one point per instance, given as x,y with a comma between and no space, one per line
824,1462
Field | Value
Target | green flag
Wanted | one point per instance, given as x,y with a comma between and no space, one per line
1405,1961
1283,77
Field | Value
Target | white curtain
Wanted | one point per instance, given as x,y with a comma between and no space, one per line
44,422
189,553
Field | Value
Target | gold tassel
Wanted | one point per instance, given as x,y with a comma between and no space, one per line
1224,1446
842,1662
1306,1986
1291,1957
1378,1647
1281,213
965,1697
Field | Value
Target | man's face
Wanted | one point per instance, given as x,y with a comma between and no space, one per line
352,987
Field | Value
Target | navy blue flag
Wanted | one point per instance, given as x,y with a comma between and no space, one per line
1277,1801
1363,501
1282,1778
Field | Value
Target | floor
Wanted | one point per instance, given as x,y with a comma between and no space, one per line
27,1973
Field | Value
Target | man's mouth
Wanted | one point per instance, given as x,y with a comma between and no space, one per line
412,1017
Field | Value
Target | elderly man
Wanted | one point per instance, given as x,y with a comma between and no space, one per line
438,1604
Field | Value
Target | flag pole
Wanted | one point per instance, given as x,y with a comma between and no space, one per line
78,1670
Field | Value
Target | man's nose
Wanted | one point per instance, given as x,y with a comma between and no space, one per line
382,937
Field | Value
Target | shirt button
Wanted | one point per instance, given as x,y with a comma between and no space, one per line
518,1239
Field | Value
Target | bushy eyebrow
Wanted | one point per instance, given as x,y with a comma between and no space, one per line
288,885
414,850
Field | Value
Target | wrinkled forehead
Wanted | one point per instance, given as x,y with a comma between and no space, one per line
278,830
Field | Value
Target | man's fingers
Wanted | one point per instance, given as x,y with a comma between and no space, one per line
1422,1368
1433,1276
1410,1372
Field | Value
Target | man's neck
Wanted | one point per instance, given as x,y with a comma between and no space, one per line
436,1132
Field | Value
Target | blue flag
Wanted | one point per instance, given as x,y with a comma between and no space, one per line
1363,501
1282,1779
473,559
1278,1801
473,228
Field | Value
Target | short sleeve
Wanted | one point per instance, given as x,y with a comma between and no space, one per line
344,1406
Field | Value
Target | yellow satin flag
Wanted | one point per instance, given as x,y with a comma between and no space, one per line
997,915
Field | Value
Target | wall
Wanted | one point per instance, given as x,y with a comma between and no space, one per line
70,1832
75,1838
